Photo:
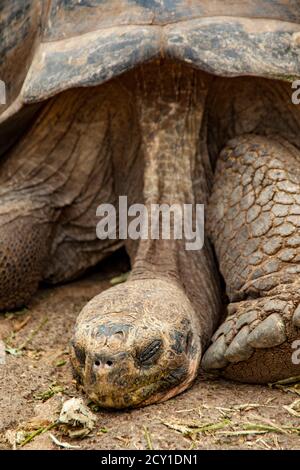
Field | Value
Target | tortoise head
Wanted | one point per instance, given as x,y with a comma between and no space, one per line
136,344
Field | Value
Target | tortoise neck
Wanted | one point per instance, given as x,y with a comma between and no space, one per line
170,108
170,104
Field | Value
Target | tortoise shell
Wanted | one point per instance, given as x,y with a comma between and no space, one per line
49,46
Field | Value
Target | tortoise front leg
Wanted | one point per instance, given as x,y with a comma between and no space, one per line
26,232
254,221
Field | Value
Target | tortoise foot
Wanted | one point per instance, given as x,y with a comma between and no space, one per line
256,341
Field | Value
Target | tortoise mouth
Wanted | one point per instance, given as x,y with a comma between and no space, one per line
149,389
123,384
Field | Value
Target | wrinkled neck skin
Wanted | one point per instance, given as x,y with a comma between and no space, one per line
170,102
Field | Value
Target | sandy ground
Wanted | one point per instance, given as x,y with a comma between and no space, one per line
213,414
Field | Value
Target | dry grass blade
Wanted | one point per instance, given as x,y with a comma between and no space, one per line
263,427
64,445
17,351
271,428
294,408
21,324
33,334
291,384
148,438
288,381
41,430
239,407
46,394
196,428
241,433
13,351
119,279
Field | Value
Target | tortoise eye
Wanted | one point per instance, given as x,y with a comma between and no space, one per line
189,342
150,353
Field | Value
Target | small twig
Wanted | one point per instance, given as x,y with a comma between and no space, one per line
239,433
37,432
21,324
65,445
263,443
270,428
187,411
148,438
32,335
288,381
197,428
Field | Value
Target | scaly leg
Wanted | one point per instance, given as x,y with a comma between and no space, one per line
254,222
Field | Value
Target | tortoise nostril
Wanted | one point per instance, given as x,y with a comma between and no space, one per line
103,362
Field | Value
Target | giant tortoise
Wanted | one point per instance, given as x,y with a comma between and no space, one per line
165,102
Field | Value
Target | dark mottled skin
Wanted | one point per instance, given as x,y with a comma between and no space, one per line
156,122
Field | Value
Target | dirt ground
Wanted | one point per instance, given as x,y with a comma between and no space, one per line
213,414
